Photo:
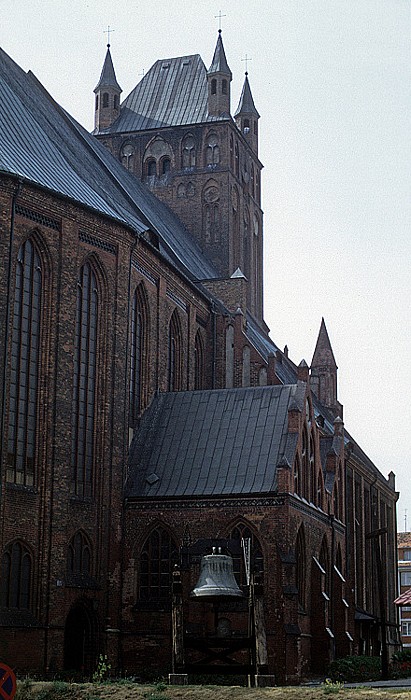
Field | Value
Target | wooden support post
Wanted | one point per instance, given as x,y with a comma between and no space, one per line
177,623
261,658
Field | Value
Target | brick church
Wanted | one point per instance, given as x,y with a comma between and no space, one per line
145,411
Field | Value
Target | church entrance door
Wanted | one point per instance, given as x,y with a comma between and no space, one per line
80,639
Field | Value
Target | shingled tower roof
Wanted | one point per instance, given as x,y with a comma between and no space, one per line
108,75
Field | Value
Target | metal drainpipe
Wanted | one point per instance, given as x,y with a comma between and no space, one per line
6,338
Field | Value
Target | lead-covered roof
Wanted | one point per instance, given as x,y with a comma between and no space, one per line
212,443
43,144
174,92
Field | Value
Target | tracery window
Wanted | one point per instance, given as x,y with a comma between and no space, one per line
243,532
138,353
79,554
189,152
84,383
158,556
212,150
15,583
24,371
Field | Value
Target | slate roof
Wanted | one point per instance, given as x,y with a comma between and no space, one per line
246,104
173,92
43,144
212,443
108,75
219,63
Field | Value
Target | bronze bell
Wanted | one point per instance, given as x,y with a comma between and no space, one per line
216,578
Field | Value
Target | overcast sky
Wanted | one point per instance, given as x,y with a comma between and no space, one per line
330,79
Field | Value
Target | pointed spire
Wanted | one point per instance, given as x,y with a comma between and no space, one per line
246,104
219,63
108,76
323,353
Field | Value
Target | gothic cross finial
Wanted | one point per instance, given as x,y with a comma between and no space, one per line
246,59
219,17
108,31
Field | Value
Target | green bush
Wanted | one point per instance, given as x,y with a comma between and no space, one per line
401,664
353,669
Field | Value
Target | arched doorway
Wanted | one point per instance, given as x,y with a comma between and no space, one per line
80,639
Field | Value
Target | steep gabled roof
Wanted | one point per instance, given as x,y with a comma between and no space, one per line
211,443
43,144
172,93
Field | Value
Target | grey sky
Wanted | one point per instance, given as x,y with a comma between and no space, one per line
330,79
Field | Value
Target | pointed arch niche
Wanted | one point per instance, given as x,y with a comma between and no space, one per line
139,355
175,354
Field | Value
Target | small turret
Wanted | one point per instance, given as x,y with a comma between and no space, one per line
219,77
324,372
107,91
247,117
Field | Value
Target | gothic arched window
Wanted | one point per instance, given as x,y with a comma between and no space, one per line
25,361
138,353
199,361
325,564
165,165
232,152
151,167
188,152
212,150
105,99
157,558
224,85
243,532
237,160
15,581
79,555
174,354
213,86
84,384
301,568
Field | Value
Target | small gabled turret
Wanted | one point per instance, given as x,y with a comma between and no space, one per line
247,117
107,91
219,77
324,372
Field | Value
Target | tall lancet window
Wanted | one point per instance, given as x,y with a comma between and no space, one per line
24,374
138,354
199,361
174,354
84,384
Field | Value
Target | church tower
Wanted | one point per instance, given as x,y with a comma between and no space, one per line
219,77
176,133
107,91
